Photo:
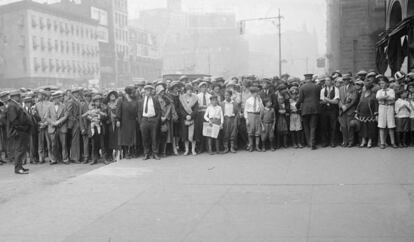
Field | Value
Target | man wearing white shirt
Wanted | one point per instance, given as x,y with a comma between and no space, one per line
329,112
203,103
149,116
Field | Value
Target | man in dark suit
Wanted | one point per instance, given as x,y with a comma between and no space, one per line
149,117
308,103
18,131
74,109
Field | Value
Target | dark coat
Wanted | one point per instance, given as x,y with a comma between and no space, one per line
308,102
18,121
157,108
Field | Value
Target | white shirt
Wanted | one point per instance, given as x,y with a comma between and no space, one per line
322,96
249,106
151,110
381,94
403,112
200,99
214,112
228,109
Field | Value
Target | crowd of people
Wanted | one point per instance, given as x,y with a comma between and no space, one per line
162,118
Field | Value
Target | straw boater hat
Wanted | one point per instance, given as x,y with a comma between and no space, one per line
202,84
148,87
15,93
97,97
175,84
362,73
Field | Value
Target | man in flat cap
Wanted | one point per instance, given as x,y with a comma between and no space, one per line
348,101
203,103
57,127
29,108
149,117
73,122
19,124
42,107
308,103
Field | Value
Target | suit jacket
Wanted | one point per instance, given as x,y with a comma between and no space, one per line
74,114
349,98
270,95
41,111
61,115
157,108
308,102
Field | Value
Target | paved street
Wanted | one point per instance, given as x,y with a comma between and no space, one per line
289,195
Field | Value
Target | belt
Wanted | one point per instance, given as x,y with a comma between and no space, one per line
149,117
253,112
229,117
386,104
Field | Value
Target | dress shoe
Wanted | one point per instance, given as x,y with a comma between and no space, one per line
94,162
85,161
25,169
394,146
313,147
66,162
21,172
146,157
156,157
53,163
106,162
42,162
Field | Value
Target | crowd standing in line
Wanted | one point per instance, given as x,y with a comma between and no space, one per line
162,118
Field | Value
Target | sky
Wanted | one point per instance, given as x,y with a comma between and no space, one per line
297,14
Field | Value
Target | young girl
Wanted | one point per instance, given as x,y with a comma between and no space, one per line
386,120
214,115
282,116
402,118
268,119
295,126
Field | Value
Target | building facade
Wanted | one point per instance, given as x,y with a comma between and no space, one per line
112,18
145,60
207,43
395,47
40,45
352,31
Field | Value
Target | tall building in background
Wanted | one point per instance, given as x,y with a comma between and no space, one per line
112,17
145,61
353,27
207,43
40,45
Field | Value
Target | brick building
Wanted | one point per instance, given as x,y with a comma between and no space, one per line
352,31
40,45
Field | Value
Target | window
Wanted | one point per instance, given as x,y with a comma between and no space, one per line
21,21
73,48
62,65
62,46
41,23
49,44
49,24
57,64
34,21
56,45
67,46
42,43
24,64
55,26
34,42
51,65
44,65
22,42
36,64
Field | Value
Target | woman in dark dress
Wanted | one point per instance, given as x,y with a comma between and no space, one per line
112,129
127,124
366,113
174,94
188,111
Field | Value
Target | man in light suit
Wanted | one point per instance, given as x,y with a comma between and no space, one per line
348,101
309,105
57,116
149,118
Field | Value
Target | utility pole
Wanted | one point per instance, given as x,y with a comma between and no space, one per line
279,17
242,26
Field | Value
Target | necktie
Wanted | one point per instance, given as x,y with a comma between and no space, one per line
146,105
204,100
254,105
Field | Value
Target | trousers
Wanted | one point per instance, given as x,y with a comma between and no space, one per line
149,131
310,123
